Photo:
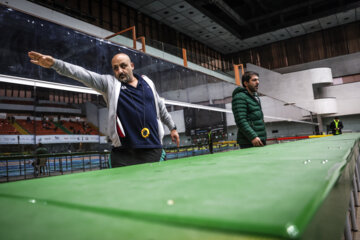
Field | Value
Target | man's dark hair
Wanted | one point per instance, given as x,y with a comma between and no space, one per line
336,117
246,77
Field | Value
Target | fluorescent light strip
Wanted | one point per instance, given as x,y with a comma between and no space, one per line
45,84
190,105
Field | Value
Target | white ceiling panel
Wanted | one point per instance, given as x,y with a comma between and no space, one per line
133,4
137,4
346,17
157,17
193,14
311,26
206,22
175,18
166,12
243,45
217,41
181,7
254,41
184,23
328,22
226,35
155,6
199,17
200,31
193,27
214,28
221,30
280,34
207,36
296,30
267,38
170,3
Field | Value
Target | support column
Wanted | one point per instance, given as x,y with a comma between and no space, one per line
319,120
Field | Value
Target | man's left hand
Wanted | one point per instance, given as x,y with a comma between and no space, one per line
175,137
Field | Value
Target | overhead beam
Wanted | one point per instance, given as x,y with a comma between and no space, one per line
200,5
229,11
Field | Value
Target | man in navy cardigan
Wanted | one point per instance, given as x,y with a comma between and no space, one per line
136,112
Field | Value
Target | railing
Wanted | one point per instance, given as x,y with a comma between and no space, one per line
206,61
201,149
14,168
215,64
20,167
237,73
134,38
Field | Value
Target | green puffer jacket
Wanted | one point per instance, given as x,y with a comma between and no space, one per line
248,116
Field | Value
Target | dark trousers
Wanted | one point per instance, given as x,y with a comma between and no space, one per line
126,157
242,146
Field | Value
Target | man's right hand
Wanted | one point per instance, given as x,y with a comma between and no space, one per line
256,142
41,60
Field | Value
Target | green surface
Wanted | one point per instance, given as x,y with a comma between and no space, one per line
270,192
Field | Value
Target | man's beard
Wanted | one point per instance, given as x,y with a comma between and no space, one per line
124,78
253,89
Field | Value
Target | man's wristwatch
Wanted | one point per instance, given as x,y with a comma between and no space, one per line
174,128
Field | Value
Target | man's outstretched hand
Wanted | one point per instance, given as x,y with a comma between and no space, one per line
41,60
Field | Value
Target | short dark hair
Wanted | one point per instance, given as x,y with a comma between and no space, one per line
246,77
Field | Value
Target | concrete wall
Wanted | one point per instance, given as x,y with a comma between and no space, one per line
178,118
347,97
351,122
282,129
103,114
340,66
289,129
207,92
296,87
92,113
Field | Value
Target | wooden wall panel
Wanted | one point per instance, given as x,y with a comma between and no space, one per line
147,28
313,47
105,10
95,12
279,55
294,51
115,20
324,44
154,29
73,5
139,24
84,7
124,18
352,33
334,42
132,16
59,2
264,55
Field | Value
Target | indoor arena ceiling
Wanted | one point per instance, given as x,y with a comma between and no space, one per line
231,26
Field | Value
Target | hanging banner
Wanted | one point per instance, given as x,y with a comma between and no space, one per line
49,139
9,139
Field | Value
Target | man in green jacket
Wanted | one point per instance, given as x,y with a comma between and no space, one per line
248,114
